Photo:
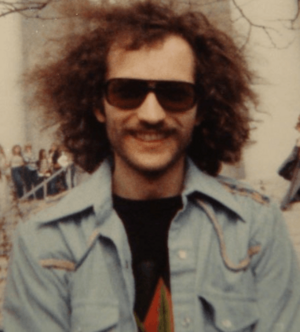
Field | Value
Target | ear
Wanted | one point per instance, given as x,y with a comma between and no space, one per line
100,116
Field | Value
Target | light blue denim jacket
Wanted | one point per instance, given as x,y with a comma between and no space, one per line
232,264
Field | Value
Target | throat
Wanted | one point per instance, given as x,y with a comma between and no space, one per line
129,183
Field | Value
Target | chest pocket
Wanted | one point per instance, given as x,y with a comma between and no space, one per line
227,314
94,317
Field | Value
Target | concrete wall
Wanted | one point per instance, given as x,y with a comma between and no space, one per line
23,44
12,129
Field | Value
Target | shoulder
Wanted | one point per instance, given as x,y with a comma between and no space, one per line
241,189
263,217
261,213
228,194
56,230
57,241
257,208
37,233
65,228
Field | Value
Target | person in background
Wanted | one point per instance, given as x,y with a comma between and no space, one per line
53,155
43,172
64,161
43,164
3,182
59,159
3,161
17,169
30,169
293,162
51,152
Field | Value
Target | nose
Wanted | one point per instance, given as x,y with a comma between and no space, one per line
151,111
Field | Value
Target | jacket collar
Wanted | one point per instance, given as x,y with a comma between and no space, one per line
198,182
96,193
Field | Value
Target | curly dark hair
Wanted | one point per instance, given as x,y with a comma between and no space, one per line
70,88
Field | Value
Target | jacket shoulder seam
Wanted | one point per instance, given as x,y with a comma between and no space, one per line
240,190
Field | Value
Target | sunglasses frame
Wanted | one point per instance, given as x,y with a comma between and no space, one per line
155,86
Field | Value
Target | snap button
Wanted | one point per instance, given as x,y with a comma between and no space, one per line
186,322
182,254
227,323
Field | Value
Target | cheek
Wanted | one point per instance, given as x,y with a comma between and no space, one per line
114,127
110,130
189,121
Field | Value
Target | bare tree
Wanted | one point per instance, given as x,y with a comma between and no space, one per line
36,9
26,8
271,28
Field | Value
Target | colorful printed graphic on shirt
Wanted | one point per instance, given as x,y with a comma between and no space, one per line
159,317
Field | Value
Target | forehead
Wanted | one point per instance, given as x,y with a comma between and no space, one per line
170,59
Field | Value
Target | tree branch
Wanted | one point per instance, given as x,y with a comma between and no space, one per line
268,30
23,7
33,9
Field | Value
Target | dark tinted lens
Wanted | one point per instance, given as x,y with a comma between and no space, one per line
125,93
176,96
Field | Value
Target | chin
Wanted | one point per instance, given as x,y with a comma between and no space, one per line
153,168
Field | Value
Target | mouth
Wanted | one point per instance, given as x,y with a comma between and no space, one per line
151,136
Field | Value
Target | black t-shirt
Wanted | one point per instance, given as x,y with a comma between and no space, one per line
147,223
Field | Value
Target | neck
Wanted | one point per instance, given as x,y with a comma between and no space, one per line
132,184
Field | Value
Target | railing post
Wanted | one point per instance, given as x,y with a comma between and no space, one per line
44,185
45,190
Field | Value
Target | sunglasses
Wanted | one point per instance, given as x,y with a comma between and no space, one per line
128,94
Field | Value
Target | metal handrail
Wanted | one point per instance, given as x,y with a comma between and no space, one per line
44,183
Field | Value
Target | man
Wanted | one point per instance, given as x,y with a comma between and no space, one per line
152,242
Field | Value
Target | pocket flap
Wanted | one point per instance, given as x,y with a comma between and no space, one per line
232,314
94,317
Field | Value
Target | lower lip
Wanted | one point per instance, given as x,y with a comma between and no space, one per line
150,142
